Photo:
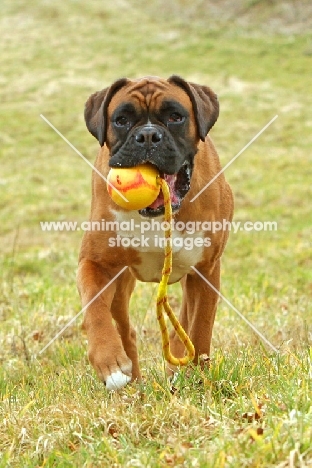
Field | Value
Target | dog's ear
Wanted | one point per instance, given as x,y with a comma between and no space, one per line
95,113
205,104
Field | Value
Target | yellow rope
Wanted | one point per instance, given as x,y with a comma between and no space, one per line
162,299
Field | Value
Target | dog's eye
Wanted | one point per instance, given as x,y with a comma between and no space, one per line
121,121
176,118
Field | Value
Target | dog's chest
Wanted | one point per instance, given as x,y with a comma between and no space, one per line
146,237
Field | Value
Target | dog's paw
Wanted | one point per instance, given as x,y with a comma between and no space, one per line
116,380
112,365
121,376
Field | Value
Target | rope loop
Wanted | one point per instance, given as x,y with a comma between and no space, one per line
162,298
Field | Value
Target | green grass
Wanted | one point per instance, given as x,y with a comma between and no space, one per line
251,408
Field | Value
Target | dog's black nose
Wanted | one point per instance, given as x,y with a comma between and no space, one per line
148,136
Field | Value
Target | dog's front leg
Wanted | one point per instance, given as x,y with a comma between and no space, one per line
198,312
105,349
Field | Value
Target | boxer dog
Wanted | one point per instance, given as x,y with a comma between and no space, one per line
164,123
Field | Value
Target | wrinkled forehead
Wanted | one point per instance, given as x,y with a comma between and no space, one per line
149,93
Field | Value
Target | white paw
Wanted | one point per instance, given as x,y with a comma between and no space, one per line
174,378
117,380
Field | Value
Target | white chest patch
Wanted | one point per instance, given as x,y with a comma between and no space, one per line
146,236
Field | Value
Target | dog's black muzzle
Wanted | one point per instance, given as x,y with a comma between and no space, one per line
154,144
148,143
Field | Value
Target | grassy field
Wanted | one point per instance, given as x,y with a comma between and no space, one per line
252,408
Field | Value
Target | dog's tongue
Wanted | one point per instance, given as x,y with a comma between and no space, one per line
170,179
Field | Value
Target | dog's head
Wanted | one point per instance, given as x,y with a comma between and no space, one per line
157,121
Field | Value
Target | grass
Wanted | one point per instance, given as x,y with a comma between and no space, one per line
251,408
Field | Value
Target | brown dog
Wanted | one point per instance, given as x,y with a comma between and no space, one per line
164,123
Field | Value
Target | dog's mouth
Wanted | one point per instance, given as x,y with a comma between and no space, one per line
179,185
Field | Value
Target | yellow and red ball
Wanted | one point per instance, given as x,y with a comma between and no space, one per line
139,185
